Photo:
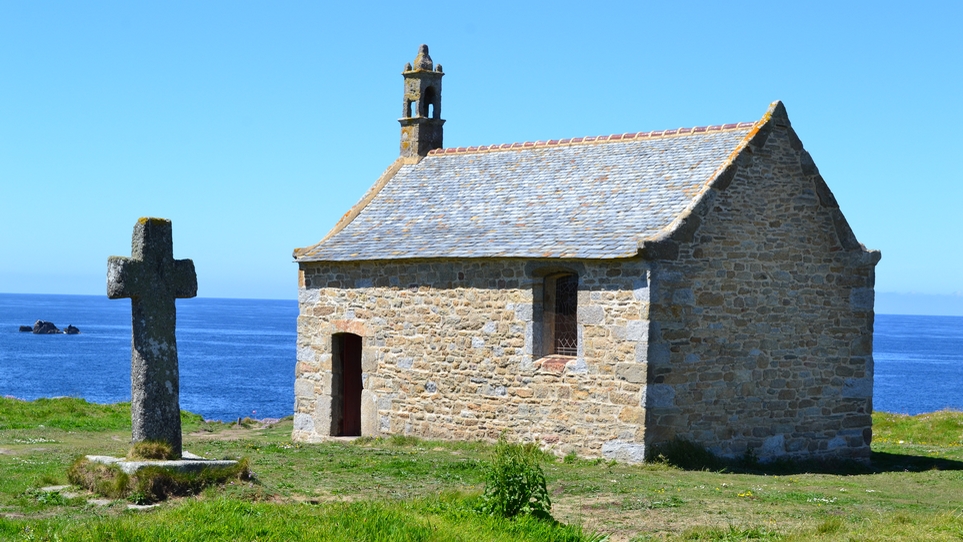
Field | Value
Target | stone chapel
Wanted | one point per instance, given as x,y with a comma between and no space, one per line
599,295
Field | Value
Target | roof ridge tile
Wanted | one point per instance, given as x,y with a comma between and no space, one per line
568,141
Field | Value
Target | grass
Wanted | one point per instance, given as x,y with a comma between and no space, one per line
943,428
404,488
443,518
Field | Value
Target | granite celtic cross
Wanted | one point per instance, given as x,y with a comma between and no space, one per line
152,279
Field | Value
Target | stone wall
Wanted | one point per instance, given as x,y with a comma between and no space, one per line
748,328
450,350
763,317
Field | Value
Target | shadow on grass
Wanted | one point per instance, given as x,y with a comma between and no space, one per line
887,462
880,462
688,456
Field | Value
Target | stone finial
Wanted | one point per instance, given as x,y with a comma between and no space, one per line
438,69
423,61
407,66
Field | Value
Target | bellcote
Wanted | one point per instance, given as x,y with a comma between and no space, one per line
421,122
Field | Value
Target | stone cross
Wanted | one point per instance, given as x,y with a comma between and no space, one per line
152,279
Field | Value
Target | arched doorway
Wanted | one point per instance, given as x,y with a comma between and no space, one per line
346,384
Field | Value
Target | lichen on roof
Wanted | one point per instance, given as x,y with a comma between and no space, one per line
585,198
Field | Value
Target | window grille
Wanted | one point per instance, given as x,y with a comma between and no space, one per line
566,309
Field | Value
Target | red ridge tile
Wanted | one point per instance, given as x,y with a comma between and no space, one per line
594,139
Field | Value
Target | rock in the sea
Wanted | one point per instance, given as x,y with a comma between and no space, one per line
42,327
71,330
26,329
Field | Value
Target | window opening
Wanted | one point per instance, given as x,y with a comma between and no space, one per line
566,310
427,102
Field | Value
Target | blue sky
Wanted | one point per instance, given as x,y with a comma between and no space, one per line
255,126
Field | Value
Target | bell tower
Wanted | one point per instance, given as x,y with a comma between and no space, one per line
421,122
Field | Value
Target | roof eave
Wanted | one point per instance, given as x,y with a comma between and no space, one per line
304,254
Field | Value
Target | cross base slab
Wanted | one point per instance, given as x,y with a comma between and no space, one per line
189,463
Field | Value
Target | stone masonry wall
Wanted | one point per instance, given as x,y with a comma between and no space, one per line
450,351
761,334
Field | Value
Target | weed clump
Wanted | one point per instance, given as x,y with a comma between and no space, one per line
515,483
102,479
151,484
570,458
830,526
154,484
731,533
151,449
404,440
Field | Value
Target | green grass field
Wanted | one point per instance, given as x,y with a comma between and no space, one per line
404,488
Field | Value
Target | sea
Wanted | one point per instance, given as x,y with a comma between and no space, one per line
237,356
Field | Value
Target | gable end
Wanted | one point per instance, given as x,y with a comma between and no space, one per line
685,226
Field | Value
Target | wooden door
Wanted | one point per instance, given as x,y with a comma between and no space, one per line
350,365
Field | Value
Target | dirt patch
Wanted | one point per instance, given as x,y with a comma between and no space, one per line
605,515
320,499
231,433
599,514
627,519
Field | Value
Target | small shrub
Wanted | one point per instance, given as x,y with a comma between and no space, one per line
151,449
51,498
570,458
515,482
686,455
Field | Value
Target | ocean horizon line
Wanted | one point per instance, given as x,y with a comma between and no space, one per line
889,303
274,418
104,295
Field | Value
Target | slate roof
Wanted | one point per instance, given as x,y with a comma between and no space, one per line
587,198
